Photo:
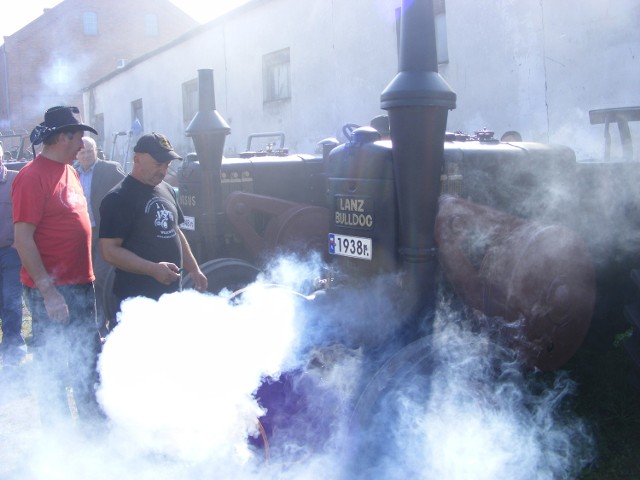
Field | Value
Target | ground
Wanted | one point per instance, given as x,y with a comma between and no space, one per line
607,398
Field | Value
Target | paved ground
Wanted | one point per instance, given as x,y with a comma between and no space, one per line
19,419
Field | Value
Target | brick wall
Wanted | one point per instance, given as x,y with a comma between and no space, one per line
49,61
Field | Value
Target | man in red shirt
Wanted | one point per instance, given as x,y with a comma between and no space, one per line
53,238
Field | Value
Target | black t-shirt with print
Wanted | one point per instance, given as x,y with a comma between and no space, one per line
146,218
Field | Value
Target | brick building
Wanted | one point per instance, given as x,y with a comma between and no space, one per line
51,59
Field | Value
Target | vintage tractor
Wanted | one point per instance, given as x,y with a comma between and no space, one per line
509,232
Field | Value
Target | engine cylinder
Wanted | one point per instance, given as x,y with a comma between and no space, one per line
536,281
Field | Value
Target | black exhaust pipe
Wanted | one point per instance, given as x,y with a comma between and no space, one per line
208,130
418,100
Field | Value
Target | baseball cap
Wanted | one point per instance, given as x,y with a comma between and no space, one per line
158,146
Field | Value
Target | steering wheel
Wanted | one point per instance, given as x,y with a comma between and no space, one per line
348,129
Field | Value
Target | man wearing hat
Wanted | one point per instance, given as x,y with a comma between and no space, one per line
139,227
53,238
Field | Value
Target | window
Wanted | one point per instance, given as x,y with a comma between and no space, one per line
61,74
276,76
440,23
189,100
151,25
98,124
90,23
137,117
440,14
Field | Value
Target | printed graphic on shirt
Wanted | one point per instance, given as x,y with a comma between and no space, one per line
164,218
71,198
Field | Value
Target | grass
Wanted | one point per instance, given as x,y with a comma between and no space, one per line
608,400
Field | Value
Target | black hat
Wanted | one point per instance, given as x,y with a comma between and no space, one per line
158,146
57,119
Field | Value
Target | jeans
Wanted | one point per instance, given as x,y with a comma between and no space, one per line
10,297
66,355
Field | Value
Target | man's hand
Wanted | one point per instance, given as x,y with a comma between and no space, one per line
56,307
166,273
54,302
200,281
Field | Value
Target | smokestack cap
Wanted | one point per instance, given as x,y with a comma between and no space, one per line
418,88
207,123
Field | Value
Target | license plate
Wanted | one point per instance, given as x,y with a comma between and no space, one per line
189,223
349,246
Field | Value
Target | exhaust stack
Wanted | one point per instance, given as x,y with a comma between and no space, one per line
208,130
418,100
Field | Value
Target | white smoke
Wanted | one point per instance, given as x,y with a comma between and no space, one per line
190,394
183,383
485,419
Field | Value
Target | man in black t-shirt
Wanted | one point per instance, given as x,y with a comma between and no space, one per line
139,227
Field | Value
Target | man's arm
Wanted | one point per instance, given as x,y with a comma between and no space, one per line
190,263
32,261
118,256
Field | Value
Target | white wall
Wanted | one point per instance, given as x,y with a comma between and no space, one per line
539,66
341,59
536,66
592,62
496,67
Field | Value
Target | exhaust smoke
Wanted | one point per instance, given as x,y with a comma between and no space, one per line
181,378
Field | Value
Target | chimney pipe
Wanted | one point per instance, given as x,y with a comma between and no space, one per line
208,130
418,100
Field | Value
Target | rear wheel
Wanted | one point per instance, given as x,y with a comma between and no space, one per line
347,130
230,273
404,377
225,273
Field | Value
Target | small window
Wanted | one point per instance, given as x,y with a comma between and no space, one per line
189,100
440,23
441,38
440,14
151,25
60,72
98,124
137,117
90,23
276,76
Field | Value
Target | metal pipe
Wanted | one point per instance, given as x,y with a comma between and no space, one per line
208,130
418,100
6,86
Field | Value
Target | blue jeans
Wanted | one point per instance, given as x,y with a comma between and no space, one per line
65,355
10,297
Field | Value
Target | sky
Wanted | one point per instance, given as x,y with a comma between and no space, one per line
25,11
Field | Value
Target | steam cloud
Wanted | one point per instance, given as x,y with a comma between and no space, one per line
180,378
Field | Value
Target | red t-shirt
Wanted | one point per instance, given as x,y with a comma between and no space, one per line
49,195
